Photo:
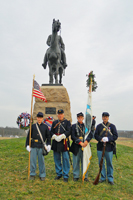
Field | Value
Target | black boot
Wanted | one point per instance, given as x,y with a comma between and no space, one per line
64,65
75,179
44,65
42,178
57,177
101,181
111,183
86,179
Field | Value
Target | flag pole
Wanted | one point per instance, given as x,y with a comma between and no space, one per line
30,125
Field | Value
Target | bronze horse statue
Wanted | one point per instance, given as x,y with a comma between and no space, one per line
55,56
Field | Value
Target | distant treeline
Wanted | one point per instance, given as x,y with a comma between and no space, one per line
127,134
7,132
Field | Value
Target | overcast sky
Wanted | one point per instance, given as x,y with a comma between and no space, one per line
98,35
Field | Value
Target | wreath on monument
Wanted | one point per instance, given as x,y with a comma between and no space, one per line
48,121
91,77
23,121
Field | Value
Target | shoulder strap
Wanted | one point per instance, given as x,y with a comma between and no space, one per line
63,127
105,128
82,131
77,129
58,123
40,135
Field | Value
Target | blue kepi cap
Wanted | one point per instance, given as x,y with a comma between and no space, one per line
40,114
60,111
105,114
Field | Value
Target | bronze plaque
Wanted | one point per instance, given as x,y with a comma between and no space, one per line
50,110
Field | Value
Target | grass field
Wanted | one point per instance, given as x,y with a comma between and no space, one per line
14,183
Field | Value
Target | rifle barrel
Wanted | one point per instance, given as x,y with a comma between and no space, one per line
101,164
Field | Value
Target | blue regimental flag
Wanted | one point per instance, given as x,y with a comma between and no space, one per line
88,121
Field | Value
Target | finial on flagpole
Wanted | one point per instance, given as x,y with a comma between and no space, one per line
34,76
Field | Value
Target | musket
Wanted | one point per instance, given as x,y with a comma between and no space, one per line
101,163
69,153
70,159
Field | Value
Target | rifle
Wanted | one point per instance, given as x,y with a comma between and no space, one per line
67,143
101,163
70,157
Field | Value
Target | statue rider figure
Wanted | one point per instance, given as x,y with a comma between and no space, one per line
62,48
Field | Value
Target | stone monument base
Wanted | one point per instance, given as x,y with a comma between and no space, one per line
57,98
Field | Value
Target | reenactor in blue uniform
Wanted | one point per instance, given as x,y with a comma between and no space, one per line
112,135
77,135
60,131
37,145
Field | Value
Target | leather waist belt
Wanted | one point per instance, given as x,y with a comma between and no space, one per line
36,140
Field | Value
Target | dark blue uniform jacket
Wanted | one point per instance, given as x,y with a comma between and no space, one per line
35,136
59,146
75,145
112,138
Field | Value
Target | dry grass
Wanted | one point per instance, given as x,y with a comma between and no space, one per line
5,138
125,141
121,140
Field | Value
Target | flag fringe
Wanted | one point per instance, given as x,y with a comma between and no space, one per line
86,169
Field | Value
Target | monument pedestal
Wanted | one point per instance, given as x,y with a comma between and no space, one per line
57,98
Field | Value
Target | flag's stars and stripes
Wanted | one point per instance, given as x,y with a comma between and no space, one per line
37,92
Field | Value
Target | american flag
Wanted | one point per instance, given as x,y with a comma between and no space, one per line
37,92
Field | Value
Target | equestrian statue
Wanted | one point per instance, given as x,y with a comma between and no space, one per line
55,54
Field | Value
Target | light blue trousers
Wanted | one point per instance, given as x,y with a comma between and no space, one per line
108,156
58,163
76,164
33,159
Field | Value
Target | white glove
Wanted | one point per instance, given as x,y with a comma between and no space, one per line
53,137
48,148
60,137
56,138
28,148
105,139
63,136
